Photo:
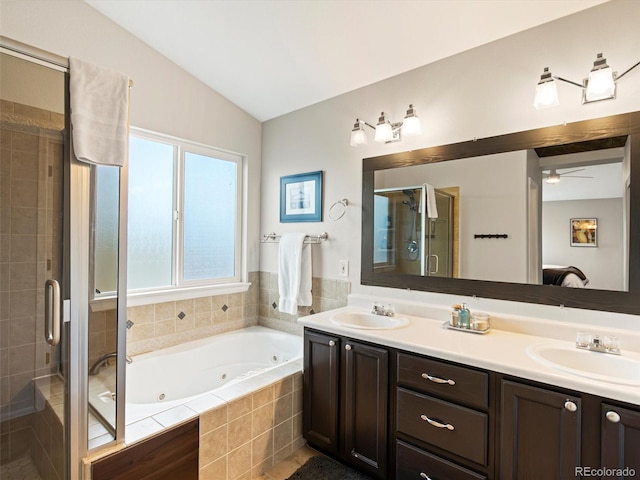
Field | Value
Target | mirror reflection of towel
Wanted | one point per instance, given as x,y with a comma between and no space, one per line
294,273
432,209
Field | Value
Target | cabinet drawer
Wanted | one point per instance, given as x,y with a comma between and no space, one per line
456,429
450,382
415,464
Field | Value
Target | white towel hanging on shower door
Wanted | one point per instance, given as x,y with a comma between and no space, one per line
99,100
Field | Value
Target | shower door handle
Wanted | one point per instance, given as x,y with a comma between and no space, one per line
52,312
437,264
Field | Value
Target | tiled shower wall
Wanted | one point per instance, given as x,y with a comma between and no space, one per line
161,325
30,239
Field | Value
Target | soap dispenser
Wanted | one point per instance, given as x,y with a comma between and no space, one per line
454,315
464,317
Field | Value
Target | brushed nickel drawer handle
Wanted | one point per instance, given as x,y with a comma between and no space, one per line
332,343
425,476
433,379
437,424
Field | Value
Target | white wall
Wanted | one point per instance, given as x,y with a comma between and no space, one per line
479,93
603,265
164,98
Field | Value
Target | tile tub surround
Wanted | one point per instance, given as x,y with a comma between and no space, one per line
244,429
166,324
250,434
327,294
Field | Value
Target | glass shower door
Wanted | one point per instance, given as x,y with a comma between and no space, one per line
440,238
33,390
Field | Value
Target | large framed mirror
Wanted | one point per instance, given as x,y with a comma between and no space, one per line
544,216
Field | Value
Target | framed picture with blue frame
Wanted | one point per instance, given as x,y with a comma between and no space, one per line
301,197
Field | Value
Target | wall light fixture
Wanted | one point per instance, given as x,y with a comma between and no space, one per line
599,85
385,130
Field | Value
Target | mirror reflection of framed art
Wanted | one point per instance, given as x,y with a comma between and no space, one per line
584,232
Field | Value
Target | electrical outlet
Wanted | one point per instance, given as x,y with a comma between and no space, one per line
343,268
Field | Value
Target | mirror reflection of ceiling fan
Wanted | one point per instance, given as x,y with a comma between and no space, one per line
554,177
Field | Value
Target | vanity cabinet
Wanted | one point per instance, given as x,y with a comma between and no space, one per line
346,391
540,433
443,421
401,415
620,438
551,433
321,383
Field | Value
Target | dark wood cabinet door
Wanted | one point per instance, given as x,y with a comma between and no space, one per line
620,441
170,455
539,433
365,384
321,383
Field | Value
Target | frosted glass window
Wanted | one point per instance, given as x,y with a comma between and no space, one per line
185,220
107,201
151,207
210,213
382,232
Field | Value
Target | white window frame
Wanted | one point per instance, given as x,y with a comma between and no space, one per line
181,289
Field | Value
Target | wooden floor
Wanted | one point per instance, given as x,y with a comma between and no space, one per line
285,468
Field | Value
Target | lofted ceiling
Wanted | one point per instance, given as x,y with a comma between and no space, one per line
271,57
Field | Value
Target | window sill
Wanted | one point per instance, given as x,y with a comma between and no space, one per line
137,299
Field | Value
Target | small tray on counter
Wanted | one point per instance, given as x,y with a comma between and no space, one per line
448,326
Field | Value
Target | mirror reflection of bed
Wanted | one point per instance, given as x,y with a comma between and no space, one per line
564,276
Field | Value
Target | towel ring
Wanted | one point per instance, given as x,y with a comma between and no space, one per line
338,209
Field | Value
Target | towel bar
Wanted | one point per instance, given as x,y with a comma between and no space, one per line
313,239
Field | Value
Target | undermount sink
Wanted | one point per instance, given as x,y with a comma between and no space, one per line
369,321
604,367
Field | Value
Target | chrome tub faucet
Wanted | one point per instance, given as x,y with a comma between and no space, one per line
104,360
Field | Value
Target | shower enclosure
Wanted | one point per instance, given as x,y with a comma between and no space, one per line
406,239
46,324
34,347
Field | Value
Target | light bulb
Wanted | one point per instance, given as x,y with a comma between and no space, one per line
600,85
546,95
411,126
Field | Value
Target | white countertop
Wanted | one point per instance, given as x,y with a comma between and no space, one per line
499,350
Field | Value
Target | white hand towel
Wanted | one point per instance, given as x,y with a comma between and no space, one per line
432,209
294,273
99,100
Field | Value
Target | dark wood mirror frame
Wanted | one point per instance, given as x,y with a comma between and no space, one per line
569,138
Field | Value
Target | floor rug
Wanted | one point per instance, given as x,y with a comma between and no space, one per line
323,468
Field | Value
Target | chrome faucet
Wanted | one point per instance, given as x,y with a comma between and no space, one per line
593,343
381,309
104,360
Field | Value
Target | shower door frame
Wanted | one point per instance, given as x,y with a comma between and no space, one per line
423,217
75,291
